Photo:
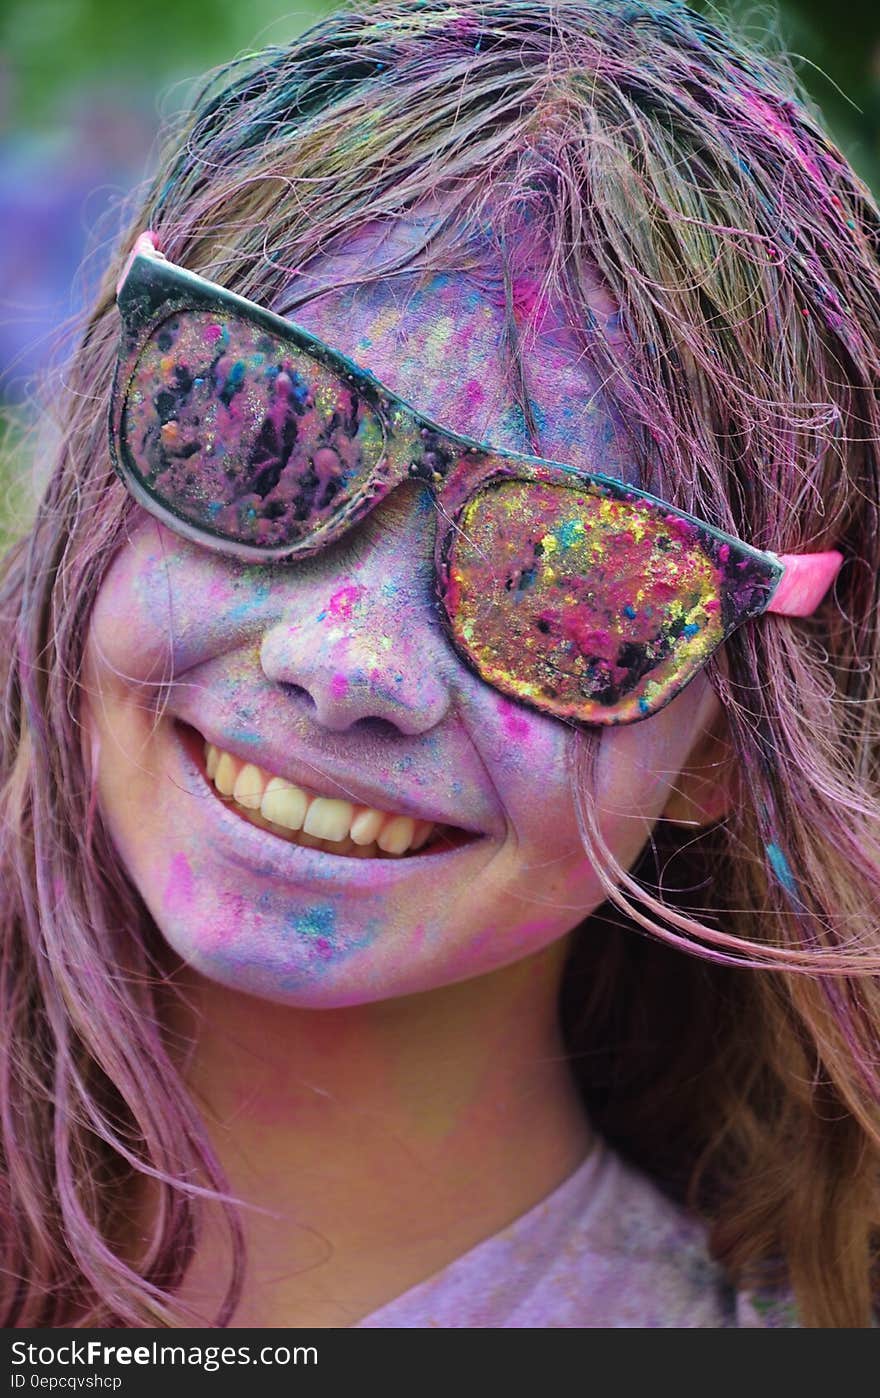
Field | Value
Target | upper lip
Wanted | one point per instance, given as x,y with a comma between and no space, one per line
325,780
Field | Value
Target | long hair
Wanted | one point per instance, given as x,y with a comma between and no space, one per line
721,1008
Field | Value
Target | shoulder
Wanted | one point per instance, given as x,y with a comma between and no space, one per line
645,1262
633,1257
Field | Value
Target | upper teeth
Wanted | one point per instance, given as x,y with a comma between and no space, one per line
352,828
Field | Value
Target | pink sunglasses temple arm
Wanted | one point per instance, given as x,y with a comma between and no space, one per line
804,583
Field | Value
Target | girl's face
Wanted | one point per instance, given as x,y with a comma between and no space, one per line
334,673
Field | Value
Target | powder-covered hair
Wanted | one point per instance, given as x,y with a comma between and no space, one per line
733,1053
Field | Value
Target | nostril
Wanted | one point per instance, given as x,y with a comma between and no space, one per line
372,724
295,691
376,726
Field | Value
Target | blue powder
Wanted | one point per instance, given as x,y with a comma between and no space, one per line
256,596
781,868
513,424
568,534
322,944
538,414
316,922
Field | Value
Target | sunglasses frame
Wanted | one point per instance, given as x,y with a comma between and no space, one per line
457,468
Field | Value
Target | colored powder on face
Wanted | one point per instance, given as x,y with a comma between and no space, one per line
513,424
219,591
318,926
179,885
437,339
515,723
316,940
339,686
341,602
257,592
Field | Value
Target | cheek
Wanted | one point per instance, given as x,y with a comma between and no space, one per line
532,763
166,606
639,764
150,617
129,628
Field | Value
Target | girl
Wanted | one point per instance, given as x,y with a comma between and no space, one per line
440,812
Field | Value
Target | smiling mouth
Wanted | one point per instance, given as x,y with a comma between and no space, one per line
300,816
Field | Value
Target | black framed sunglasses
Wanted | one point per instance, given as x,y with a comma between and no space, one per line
569,591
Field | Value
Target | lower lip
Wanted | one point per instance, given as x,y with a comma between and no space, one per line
246,843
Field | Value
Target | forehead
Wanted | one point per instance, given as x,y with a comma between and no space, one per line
469,343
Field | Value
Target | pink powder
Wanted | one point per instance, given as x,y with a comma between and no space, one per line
515,724
341,602
219,590
179,886
339,686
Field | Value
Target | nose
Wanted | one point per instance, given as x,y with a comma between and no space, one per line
358,638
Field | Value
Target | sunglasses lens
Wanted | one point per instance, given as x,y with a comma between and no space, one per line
589,607
243,436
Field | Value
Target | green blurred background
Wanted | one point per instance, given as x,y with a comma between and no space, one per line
84,85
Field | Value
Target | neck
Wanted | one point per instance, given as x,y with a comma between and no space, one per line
380,1142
